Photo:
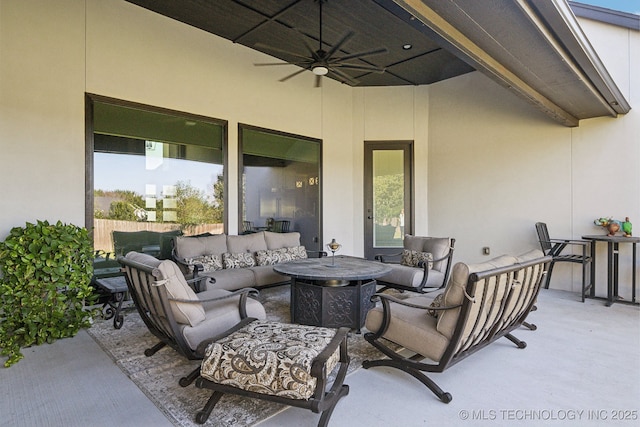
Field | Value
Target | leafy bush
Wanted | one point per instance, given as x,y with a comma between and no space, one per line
46,274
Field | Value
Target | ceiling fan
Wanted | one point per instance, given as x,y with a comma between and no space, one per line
322,62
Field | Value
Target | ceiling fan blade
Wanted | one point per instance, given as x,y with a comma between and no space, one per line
281,51
343,76
318,81
299,64
266,64
284,79
337,46
313,53
357,67
361,54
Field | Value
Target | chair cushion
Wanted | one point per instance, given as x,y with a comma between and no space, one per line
145,259
436,246
219,316
281,240
414,243
439,247
193,246
177,287
411,276
410,328
269,358
246,243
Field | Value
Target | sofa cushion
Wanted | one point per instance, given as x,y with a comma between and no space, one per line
232,279
220,316
238,260
455,291
412,258
281,240
178,288
264,275
208,262
246,243
530,255
193,246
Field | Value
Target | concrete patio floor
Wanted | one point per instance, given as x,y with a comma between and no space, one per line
581,367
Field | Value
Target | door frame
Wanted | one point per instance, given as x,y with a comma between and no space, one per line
369,148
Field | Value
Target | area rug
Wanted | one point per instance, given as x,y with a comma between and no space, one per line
157,376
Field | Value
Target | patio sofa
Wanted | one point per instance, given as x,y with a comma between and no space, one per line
480,304
237,262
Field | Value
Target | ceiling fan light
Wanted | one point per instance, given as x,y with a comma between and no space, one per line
320,71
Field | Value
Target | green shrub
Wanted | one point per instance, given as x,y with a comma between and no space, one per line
45,285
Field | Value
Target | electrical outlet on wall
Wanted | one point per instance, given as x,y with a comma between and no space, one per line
486,250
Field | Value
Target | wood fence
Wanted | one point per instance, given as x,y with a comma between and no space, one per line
102,228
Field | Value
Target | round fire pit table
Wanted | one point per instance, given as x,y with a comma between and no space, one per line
332,291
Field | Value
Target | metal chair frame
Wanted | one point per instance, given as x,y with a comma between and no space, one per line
555,247
151,300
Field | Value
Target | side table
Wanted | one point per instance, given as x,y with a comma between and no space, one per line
115,289
613,249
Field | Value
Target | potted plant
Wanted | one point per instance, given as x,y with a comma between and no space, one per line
45,285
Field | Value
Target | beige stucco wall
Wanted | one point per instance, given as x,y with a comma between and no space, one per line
497,165
487,165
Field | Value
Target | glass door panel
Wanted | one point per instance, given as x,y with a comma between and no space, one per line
387,192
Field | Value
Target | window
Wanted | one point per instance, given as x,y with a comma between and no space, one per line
281,179
153,169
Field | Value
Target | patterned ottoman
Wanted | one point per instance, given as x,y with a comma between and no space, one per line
280,362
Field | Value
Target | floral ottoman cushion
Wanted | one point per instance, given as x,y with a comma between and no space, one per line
269,358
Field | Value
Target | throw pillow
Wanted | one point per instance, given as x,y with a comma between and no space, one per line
238,260
275,256
413,258
209,262
438,301
266,257
298,252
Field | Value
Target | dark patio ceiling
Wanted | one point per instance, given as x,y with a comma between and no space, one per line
534,48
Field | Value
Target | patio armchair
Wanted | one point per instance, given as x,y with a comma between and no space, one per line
175,314
247,227
423,265
556,248
281,226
